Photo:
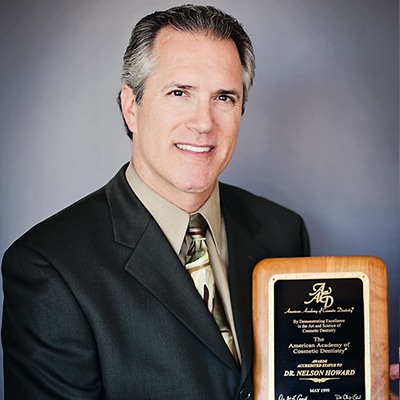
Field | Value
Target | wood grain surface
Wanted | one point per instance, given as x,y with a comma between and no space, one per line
372,267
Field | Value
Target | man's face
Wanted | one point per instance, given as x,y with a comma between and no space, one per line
186,127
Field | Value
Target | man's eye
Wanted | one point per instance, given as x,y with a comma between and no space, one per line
224,98
177,93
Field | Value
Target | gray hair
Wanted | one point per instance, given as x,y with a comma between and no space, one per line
139,59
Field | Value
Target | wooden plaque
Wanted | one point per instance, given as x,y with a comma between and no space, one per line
320,329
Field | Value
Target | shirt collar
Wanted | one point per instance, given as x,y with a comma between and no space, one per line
211,211
172,220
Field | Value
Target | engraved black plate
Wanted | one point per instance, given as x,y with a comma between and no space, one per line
319,336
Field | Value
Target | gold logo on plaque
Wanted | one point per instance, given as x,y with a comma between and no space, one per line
320,295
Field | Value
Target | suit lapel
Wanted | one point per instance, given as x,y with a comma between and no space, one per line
156,266
244,253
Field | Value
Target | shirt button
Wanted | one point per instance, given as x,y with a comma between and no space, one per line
245,393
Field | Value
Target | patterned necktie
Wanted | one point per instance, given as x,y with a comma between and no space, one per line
199,267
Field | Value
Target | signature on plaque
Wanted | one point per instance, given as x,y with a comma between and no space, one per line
294,397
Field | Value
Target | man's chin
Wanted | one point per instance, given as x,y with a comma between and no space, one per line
197,188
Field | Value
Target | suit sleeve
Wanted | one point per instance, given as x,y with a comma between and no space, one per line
49,348
305,240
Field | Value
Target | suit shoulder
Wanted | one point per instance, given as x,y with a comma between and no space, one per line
242,199
279,229
85,217
76,217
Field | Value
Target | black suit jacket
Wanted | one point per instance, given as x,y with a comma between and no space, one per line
98,306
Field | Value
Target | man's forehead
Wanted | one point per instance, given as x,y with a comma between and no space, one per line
168,33
189,58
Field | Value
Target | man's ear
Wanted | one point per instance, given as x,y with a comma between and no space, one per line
128,106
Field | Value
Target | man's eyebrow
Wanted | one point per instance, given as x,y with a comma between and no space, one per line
183,86
178,86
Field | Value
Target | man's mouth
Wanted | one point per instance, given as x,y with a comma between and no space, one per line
194,149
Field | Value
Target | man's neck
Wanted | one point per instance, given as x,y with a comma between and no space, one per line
186,201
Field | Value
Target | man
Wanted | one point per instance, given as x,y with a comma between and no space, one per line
100,302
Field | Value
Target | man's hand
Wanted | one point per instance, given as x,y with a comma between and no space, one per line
394,376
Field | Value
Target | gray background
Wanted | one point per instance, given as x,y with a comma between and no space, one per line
320,134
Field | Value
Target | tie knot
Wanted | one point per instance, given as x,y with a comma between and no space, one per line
197,226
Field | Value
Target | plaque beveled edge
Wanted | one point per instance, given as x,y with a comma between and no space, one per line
374,268
319,275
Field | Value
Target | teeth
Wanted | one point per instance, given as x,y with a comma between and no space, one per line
193,148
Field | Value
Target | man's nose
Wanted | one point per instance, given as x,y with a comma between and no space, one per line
201,118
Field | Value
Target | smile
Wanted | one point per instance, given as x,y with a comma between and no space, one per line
194,149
